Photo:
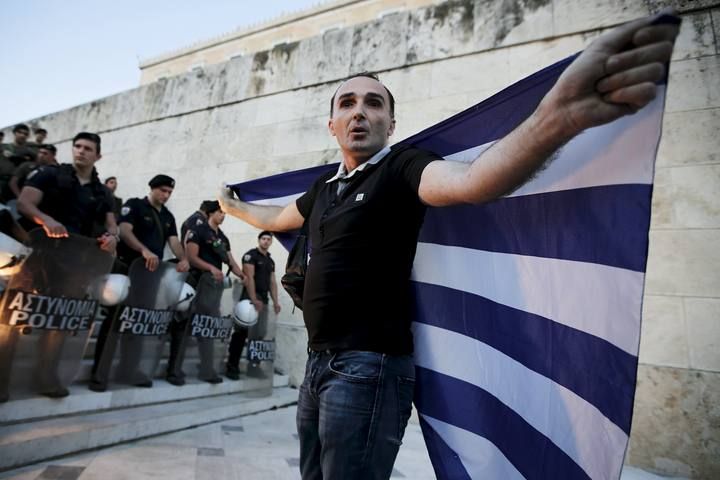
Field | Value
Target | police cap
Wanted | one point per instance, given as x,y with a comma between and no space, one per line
161,181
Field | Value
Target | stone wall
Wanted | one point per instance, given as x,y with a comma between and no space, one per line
284,29
266,113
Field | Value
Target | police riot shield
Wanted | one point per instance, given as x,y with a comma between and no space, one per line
140,325
46,314
261,350
208,328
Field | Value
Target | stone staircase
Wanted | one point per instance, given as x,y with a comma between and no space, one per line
37,429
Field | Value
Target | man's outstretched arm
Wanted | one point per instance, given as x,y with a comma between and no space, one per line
265,217
615,76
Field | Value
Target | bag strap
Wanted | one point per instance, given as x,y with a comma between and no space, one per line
158,224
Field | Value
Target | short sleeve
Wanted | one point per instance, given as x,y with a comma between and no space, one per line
307,200
197,236
248,258
42,178
172,230
410,165
130,212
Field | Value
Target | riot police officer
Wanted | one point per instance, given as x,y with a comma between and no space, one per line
207,249
63,199
146,226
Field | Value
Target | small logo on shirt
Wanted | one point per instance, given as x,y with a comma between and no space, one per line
124,210
359,197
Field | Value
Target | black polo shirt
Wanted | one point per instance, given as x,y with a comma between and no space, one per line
264,268
193,222
213,246
363,242
82,209
150,226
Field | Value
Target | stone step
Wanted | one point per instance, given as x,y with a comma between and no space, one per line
35,441
83,400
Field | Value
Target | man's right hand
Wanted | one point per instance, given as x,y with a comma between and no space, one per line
54,229
217,274
258,305
151,260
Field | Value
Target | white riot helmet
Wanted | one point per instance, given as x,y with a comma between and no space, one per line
244,313
187,293
110,289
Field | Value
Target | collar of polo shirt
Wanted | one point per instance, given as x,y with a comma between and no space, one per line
342,173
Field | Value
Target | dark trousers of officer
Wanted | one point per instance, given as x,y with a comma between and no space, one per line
177,345
237,343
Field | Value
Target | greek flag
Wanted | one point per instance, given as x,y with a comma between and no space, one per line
528,308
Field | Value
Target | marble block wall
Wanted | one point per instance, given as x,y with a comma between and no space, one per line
266,113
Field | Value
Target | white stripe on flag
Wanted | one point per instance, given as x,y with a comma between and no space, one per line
607,155
278,201
553,410
597,299
480,457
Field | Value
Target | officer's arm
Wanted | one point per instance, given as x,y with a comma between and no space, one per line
273,292
249,270
129,238
176,247
180,253
235,267
111,225
108,240
28,201
193,255
265,217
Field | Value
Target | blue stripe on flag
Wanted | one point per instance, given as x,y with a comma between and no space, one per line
605,225
475,410
445,462
491,119
280,185
593,368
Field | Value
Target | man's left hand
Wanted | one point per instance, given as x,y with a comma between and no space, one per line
615,76
276,307
182,266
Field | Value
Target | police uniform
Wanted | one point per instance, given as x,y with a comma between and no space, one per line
175,374
80,208
150,226
264,268
23,171
193,222
213,248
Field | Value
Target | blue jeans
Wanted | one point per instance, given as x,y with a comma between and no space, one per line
352,411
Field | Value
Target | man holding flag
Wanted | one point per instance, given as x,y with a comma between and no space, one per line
356,398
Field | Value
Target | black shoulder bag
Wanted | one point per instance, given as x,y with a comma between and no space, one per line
294,279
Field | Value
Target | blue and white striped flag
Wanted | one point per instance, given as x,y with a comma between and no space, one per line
528,307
